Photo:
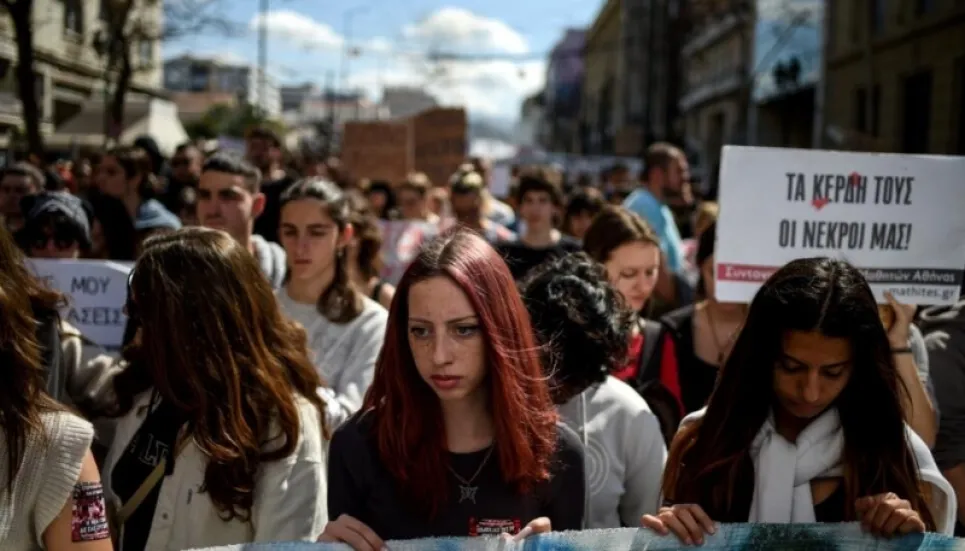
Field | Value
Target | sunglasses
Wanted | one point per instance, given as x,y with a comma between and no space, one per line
63,238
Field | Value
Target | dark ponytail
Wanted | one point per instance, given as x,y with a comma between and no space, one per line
340,302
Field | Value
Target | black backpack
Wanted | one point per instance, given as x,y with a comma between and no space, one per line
662,402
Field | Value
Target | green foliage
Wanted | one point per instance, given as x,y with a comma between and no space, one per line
230,121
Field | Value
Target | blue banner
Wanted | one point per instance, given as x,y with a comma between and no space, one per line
730,537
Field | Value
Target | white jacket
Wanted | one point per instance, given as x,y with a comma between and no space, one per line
290,503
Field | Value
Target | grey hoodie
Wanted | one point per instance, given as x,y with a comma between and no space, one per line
624,453
271,258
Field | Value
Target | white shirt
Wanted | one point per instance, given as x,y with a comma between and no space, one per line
290,501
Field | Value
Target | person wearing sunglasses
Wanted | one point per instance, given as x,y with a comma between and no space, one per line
56,225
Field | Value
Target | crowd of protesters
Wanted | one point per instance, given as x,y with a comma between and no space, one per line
552,360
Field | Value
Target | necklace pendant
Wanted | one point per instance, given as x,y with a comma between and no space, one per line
467,493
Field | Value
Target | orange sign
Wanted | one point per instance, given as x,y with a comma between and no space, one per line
377,150
439,136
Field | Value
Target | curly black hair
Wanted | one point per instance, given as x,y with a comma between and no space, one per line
581,321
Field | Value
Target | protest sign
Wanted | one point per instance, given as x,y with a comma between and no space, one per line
729,537
96,291
439,135
895,217
377,150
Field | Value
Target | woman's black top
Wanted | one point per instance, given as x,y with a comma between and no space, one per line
832,508
155,440
697,377
360,486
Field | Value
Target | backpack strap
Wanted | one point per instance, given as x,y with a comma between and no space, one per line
651,341
662,402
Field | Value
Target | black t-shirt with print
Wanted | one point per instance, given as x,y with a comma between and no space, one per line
521,258
154,441
360,486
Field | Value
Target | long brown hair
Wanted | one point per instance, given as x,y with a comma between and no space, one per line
23,395
341,302
137,164
216,346
614,227
407,415
368,235
709,461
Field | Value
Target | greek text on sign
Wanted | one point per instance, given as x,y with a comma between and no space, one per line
895,217
96,293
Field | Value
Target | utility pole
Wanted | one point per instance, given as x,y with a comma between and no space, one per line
263,58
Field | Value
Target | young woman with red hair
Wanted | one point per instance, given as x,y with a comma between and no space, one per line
458,435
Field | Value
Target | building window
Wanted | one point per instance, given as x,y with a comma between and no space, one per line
923,7
146,52
861,122
879,11
104,11
74,16
854,18
916,113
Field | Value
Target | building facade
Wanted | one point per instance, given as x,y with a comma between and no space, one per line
716,91
788,65
559,126
405,101
70,71
293,96
601,108
188,73
895,76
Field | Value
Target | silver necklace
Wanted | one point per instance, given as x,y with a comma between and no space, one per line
466,490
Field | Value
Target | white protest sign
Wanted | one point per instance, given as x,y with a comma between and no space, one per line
96,291
898,218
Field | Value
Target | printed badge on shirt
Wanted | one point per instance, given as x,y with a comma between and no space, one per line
493,527
88,520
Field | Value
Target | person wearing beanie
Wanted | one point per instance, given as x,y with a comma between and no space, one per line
153,219
56,225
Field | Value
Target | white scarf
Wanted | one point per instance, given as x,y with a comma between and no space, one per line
784,471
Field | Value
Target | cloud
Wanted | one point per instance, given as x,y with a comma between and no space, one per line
490,88
306,33
220,56
299,29
459,29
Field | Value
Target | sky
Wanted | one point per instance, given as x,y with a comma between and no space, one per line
307,37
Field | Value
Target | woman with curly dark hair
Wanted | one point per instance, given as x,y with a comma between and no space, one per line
584,326
220,436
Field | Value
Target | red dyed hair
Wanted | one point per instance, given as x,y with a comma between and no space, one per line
407,414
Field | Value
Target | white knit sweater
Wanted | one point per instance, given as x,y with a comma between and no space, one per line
45,482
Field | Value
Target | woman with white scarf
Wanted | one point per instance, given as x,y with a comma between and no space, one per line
806,423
